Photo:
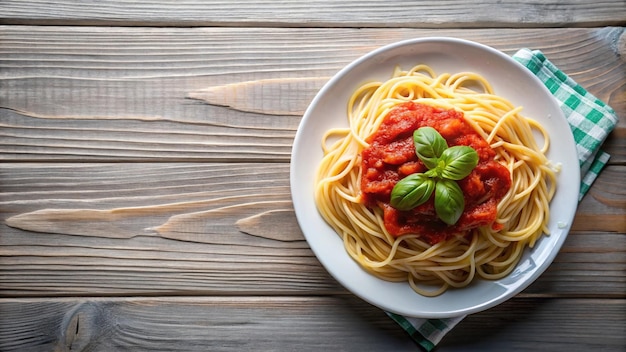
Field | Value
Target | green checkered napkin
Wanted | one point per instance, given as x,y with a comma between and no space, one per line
426,332
590,119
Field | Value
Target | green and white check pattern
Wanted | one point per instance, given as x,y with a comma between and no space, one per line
426,332
590,119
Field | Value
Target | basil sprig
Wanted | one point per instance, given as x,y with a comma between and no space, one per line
446,166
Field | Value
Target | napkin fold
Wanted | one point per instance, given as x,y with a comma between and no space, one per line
590,120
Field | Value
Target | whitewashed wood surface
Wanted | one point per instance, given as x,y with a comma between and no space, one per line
319,13
144,175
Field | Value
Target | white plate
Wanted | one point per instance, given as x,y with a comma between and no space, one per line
510,80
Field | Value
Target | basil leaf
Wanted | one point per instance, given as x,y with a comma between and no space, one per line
411,191
459,162
432,172
429,145
449,201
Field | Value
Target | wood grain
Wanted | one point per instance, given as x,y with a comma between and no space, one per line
166,94
144,175
336,323
318,13
205,229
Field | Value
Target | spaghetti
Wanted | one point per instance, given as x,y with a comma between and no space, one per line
487,251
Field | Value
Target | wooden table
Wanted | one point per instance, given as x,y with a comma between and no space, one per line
144,194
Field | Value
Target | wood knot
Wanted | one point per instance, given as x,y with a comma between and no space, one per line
83,325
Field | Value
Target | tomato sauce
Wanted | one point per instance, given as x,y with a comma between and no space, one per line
391,156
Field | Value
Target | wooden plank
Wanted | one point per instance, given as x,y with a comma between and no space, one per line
198,228
167,94
318,13
546,325
118,229
295,324
603,202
